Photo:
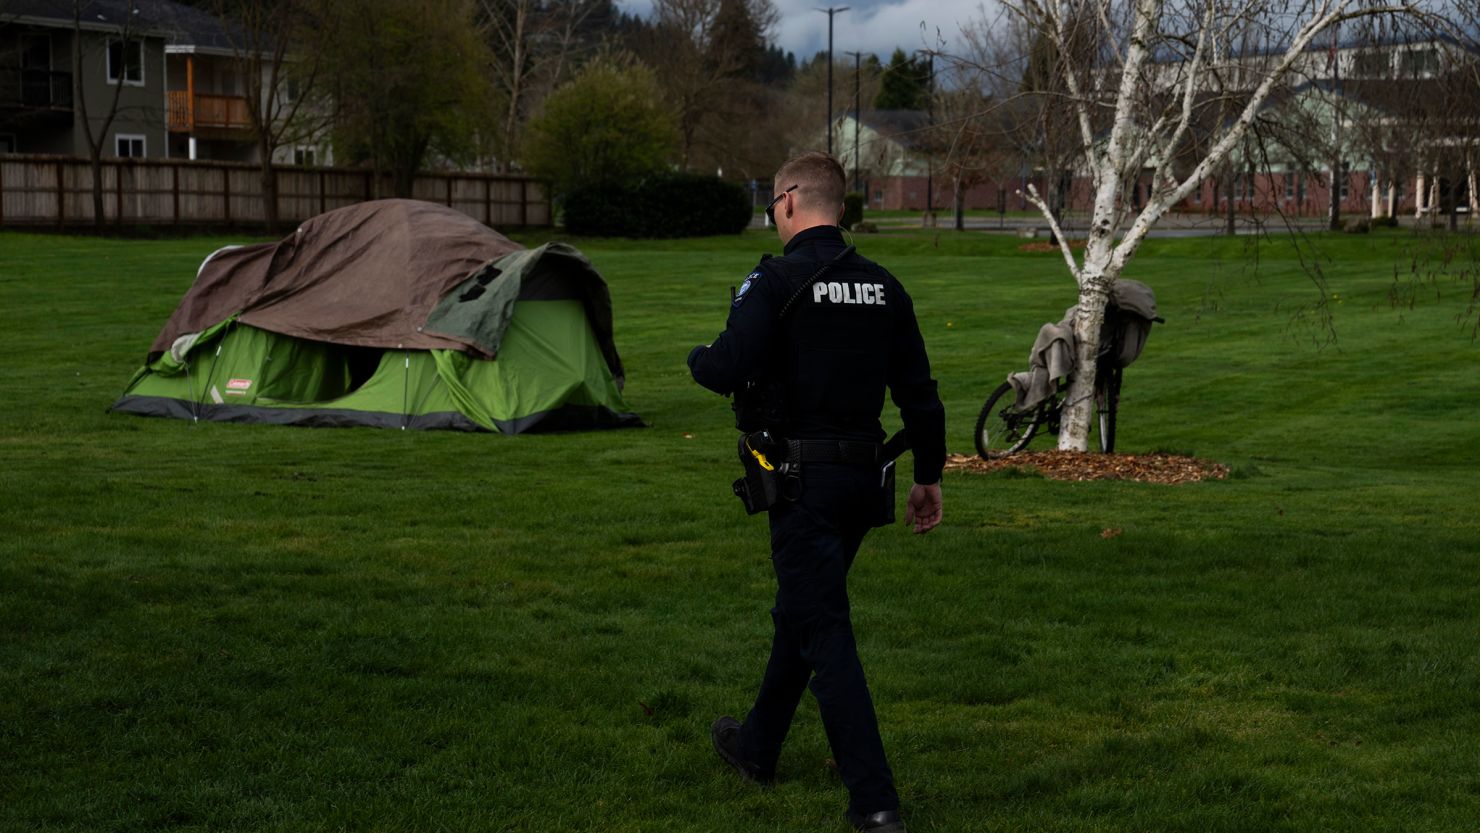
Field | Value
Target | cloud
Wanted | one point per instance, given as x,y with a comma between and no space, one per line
877,26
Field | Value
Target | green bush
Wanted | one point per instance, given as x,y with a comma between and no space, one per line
1385,222
852,209
609,124
662,205
1361,225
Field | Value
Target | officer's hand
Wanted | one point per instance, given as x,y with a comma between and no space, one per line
923,508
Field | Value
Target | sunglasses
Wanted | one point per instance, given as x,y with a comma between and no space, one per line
771,209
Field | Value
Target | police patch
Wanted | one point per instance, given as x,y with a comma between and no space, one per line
745,287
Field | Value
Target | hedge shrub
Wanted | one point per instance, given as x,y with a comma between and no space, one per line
661,205
852,209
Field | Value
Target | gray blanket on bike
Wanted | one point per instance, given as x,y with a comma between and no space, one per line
1052,356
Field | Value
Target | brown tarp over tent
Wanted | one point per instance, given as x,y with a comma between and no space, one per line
487,335
365,275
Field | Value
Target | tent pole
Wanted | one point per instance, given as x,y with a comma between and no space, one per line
194,405
406,390
220,344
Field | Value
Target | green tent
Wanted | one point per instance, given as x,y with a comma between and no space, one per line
396,314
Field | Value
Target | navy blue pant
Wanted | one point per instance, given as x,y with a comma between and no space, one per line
813,542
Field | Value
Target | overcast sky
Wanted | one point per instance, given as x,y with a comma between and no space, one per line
876,26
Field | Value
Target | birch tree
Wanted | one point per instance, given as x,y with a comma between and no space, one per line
1138,107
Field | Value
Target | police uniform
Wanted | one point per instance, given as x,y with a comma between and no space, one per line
843,340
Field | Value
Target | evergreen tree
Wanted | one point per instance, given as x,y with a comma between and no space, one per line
736,47
776,67
905,84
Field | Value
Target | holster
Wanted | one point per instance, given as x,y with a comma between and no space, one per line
760,489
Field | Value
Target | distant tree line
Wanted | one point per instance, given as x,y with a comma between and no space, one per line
572,91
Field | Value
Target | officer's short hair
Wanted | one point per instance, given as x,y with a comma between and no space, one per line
819,175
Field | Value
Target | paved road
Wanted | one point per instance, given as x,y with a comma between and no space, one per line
1170,226
1173,225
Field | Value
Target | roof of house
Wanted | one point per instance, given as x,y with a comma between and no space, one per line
906,127
1353,39
1428,98
177,23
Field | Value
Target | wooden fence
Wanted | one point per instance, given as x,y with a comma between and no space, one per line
56,191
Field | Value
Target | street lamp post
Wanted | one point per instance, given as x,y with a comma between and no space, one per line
830,11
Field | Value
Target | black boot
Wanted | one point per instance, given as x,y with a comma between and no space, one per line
884,821
725,732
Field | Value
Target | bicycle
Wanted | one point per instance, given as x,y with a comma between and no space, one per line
1002,428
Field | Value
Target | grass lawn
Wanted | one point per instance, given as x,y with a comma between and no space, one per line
223,627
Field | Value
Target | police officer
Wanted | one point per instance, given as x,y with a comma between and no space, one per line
826,346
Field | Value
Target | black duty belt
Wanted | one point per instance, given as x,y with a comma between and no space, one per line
846,452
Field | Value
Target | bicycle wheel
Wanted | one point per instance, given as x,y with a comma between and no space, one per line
1000,430
1108,398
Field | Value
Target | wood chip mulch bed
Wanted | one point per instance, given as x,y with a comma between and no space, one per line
1038,248
1077,465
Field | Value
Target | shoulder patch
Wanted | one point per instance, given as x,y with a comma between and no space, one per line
745,287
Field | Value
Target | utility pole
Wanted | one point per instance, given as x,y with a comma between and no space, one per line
830,11
857,60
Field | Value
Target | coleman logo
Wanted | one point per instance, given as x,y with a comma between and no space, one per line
237,387
848,293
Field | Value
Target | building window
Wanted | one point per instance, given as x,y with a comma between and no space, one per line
126,58
1373,64
129,146
7,143
1289,186
878,195
1344,177
1299,187
1419,63
305,155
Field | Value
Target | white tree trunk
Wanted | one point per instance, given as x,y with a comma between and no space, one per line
1142,132
1079,409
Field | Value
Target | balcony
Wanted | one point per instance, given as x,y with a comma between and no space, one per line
207,112
35,89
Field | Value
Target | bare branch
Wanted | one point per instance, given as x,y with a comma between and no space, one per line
1058,233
